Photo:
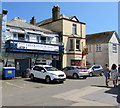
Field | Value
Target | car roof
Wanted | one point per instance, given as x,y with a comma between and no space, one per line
43,65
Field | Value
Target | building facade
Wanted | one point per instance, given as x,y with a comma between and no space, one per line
103,48
25,45
72,33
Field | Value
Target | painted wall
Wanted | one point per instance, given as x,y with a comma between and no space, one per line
113,56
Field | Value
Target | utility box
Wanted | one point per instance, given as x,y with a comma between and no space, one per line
8,72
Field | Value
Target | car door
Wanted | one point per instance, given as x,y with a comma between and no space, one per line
41,72
71,71
96,70
66,71
36,71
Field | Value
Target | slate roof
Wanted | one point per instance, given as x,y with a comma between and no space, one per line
103,37
61,16
21,24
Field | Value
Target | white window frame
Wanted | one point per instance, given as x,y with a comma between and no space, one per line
98,47
71,45
74,29
114,48
77,45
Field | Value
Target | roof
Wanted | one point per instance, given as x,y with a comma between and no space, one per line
21,23
103,37
61,17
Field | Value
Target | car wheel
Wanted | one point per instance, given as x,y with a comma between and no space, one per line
47,79
75,76
101,74
32,77
84,77
90,74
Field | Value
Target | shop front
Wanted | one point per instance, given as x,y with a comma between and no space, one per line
24,54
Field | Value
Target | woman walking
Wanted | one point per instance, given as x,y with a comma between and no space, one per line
114,75
107,74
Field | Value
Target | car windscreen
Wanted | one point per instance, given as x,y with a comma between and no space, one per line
51,69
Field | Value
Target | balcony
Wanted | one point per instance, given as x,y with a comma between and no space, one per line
33,47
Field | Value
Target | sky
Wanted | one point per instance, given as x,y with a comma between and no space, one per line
98,16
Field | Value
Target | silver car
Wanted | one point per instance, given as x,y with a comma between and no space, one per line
95,70
76,72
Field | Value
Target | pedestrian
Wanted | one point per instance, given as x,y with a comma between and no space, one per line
107,74
114,75
119,70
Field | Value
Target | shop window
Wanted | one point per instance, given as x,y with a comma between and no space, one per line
21,37
74,29
114,47
71,45
77,45
75,62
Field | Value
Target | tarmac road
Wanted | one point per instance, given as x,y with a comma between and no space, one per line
73,92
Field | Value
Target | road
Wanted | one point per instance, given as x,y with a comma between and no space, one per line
73,92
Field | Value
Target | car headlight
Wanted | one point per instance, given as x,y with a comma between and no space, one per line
53,74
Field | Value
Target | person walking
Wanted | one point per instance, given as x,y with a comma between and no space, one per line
119,70
107,74
114,75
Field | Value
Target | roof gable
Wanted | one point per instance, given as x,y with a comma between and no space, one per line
99,38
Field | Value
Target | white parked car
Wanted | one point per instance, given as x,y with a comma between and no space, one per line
47,72
95,70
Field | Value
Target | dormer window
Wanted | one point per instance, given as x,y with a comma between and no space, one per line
74,29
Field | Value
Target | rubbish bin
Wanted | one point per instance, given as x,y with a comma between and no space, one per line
8,72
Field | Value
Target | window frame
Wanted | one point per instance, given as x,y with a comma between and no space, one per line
78,45
74,29
98,47
114,48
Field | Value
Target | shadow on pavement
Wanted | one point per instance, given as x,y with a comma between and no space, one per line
112,90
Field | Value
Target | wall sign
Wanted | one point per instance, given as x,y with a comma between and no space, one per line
33,46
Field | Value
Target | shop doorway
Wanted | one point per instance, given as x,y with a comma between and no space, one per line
21,66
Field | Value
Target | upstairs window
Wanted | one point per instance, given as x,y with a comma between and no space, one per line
43,39
77,45
15,36
74,29
71,45
114,47
98,47
21,37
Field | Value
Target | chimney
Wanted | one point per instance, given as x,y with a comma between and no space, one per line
55,13
33,21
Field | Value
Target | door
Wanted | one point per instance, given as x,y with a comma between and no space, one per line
21,66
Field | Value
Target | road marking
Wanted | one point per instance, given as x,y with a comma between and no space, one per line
13,85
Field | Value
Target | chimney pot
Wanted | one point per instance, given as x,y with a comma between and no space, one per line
33,21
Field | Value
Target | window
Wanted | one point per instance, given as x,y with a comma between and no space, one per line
98,47
71,45
114,47
38,38
74,29
43,39
15,36
89,48
27,37
21,37
77,45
